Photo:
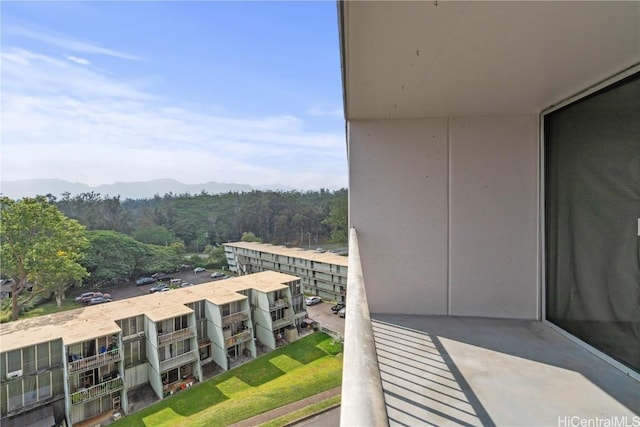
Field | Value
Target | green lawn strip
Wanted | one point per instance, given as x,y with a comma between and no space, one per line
228,398
50,308
285,363
331,346
304,412
318,376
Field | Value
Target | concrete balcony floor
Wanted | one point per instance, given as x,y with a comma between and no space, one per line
475,371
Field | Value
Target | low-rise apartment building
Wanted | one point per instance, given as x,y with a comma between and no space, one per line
80,364
321,273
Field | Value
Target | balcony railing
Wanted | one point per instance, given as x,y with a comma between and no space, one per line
98,390
92,362
279,323
238,338
178,360
281,303
175,336
362,398
241,316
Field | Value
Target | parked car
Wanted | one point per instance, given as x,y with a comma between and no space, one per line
160,287
84,295
185,284
217,275
339,306
99,300
313,300
342,312
87,296
199,270
145,281
161,277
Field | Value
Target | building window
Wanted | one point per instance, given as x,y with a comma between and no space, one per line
135,352
29,359
14,361
205,352
43,353
202,330
181,322
14,393
277,314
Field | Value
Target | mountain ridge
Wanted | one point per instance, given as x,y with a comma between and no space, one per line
126,190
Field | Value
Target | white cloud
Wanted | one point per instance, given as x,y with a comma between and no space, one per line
77,60
325,111
67,43
62,119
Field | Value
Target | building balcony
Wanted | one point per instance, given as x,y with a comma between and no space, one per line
280,323
95,361
175,336
241,316
281,303
445,370
238,338
179,360
96,391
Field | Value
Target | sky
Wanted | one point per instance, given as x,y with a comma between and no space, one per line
99,92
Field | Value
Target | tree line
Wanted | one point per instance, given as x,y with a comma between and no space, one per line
290,218
48,245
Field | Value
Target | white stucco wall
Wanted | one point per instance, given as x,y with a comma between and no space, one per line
398,203
493,217
446,214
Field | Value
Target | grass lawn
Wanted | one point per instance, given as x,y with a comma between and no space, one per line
46,308
50,308
286,375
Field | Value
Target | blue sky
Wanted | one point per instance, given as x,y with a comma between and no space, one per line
243,92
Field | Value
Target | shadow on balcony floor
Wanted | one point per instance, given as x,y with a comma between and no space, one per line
474,371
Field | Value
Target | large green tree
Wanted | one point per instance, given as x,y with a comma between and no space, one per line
58,273
113,257
37,244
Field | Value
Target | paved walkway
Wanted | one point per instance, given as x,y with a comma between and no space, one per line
286,409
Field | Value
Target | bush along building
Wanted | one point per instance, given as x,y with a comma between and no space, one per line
79,365
321,273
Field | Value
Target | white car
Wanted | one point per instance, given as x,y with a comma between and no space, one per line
199,270
313,300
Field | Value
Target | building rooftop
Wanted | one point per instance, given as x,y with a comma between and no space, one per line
89,322
311,255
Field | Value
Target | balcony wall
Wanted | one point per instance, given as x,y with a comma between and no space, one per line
235,318
238,338
95,361
450,227
179,360
97,390
175,336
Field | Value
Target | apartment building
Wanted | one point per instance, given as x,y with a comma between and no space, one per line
321,273
81,364
493,152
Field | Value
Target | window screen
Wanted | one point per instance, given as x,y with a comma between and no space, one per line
592,209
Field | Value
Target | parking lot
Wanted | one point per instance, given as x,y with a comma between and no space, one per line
128,290
320,312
